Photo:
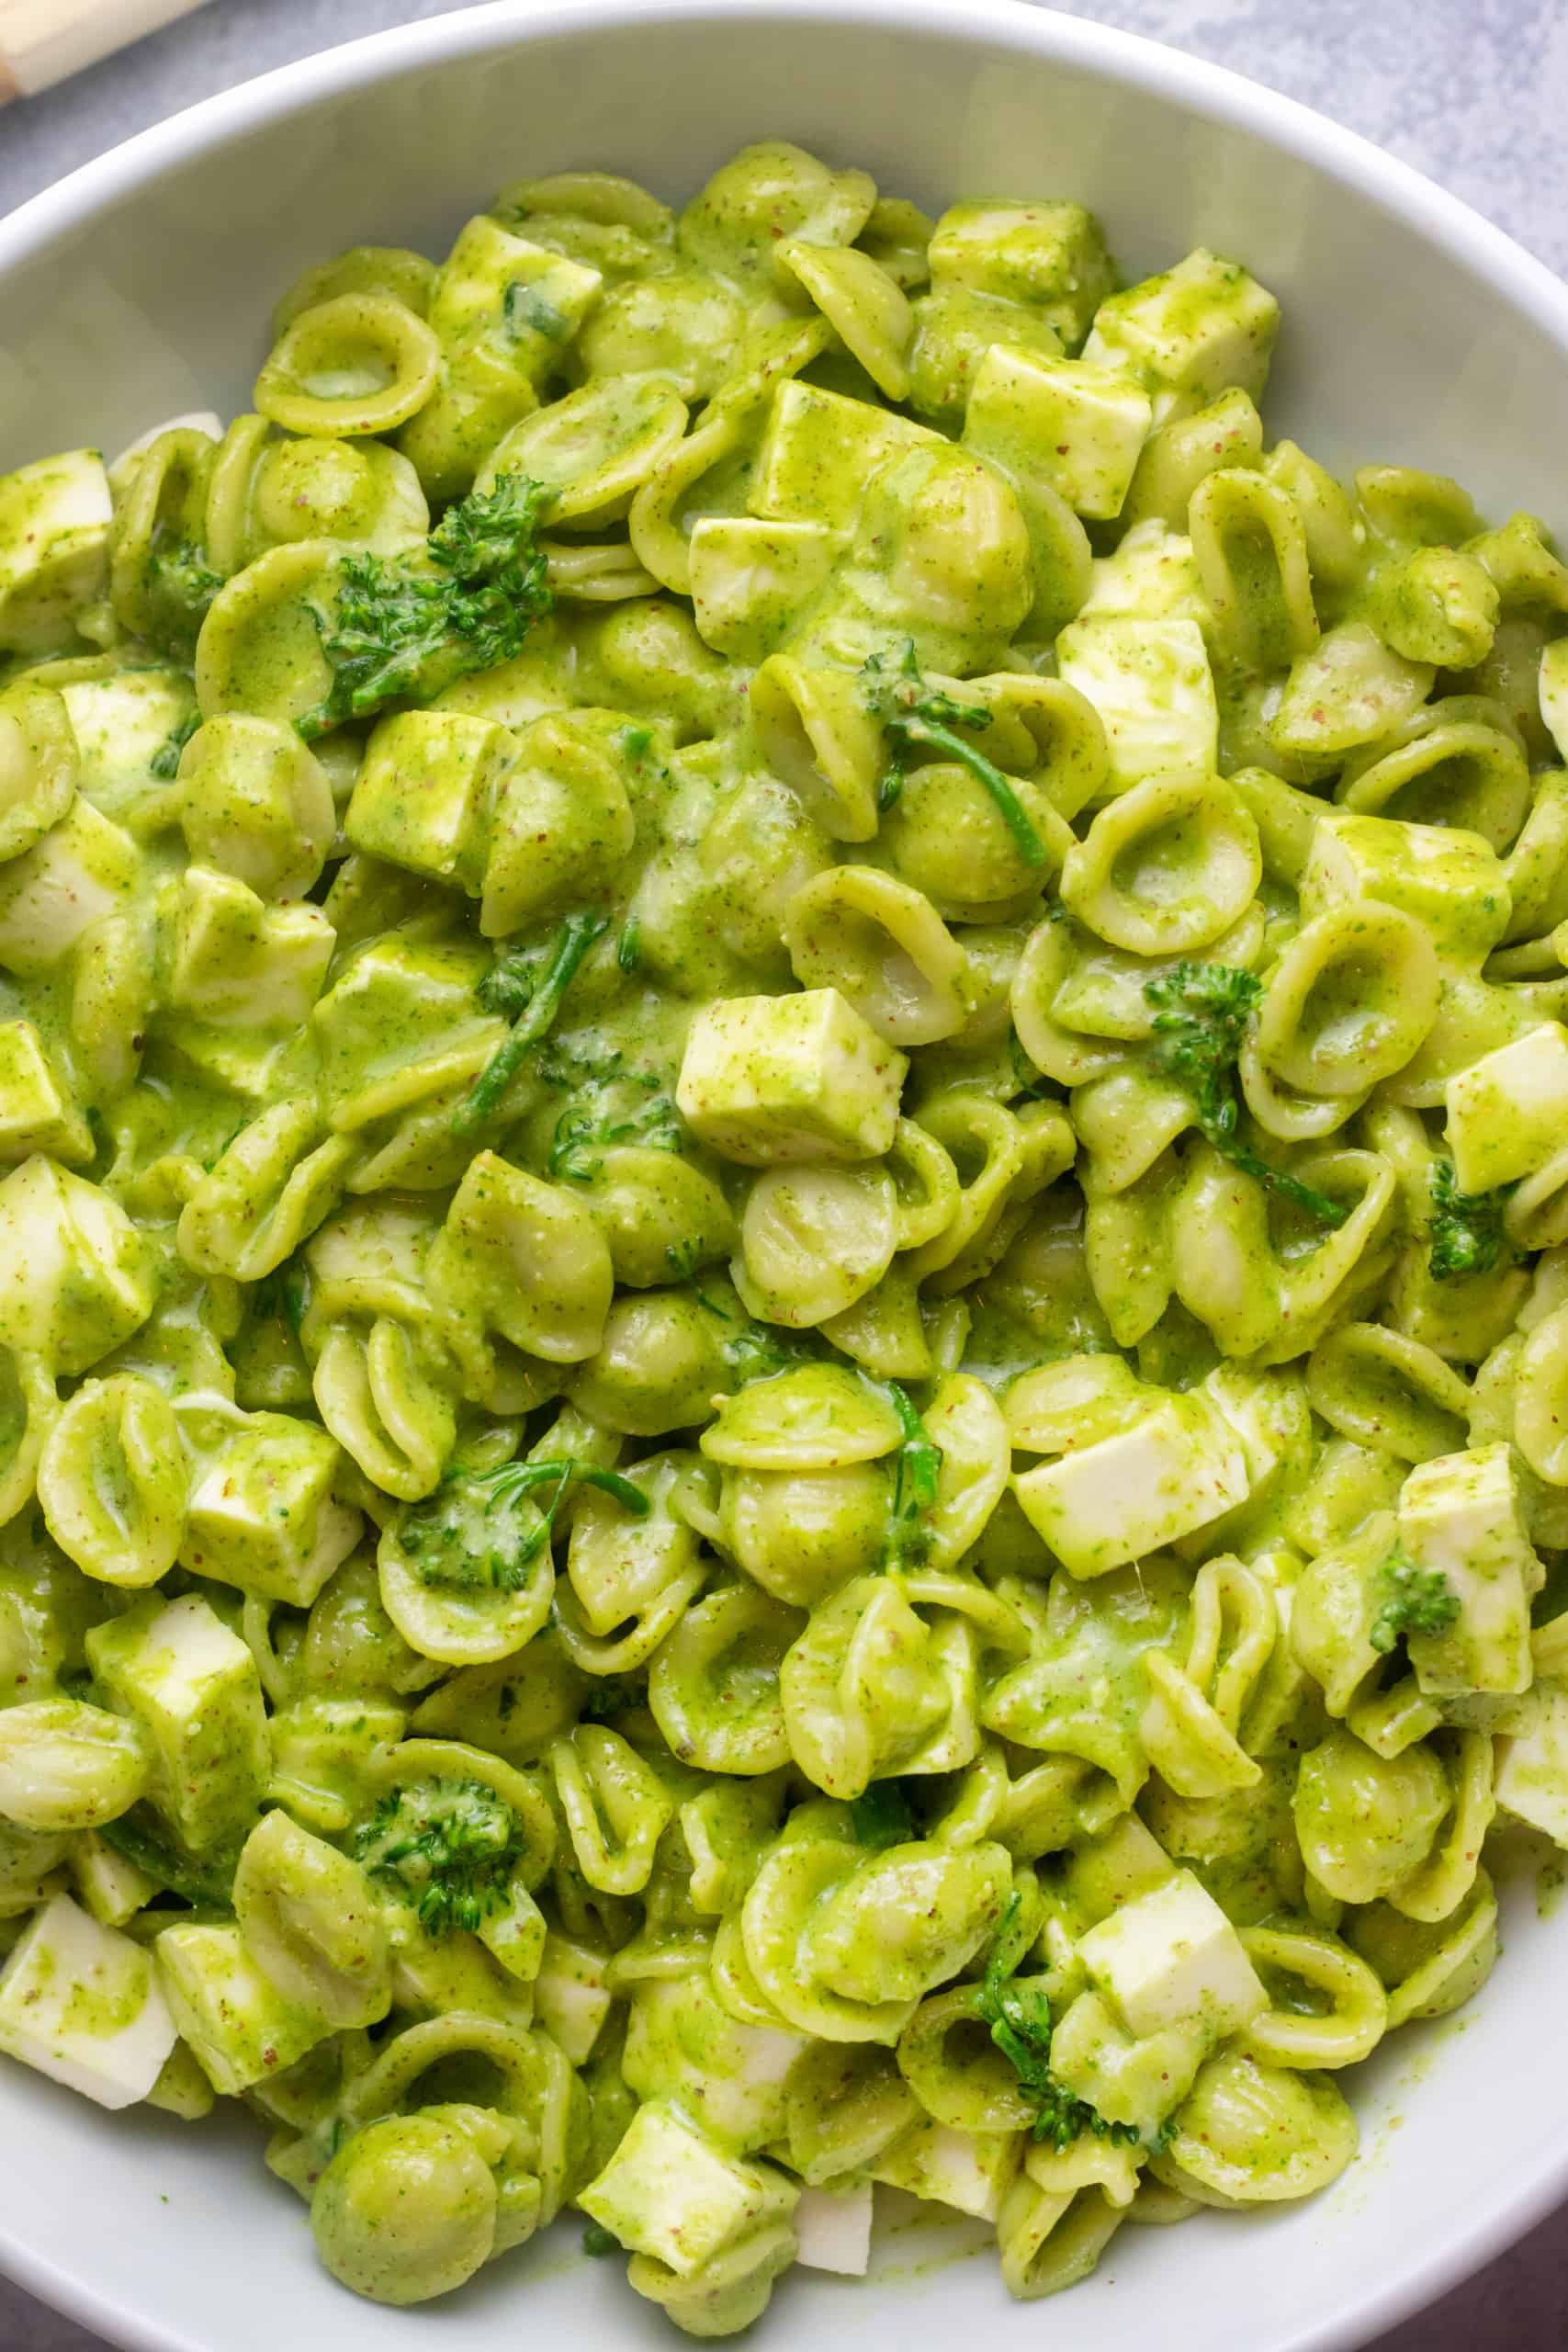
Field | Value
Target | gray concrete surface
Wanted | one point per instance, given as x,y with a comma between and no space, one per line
1473,92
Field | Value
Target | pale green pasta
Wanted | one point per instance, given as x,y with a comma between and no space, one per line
783,1244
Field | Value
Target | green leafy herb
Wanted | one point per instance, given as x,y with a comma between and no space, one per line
598,2241
523,307
917,1467
1467,1227
881,1816
579,1137
482,1528
520,984
165,760
181,585
449,1846
411,624
1019,2017
284,1294
1417,1600
1200,1022
628,947
206,1885
918,716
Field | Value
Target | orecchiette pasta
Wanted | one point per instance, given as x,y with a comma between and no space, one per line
784,1243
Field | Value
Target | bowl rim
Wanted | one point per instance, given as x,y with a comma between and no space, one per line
1211,92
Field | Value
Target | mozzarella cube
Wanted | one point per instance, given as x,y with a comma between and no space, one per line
1531,1780
175,1668
36,1112
1048,254
235,961
121,723
1509,1111
832,2229
1190,332
670,2192
424,793
780,1078
1460,1517
571,2000
1151,576
262,1516
1151,684
1103,1505
1451,881
54,532
753,579
969,2171
1066,422
234,2019
84,868
75,1276
1171,1959
82,2004
819,451
403,1020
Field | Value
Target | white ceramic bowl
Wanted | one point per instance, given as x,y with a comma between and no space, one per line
1412,331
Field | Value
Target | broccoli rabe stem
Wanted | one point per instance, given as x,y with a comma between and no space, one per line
1019,2017
917,715
576,937
916,1470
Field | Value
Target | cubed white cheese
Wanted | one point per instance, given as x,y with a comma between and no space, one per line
1191,331
1151,684
1451,881
1509,1111
571,1998
84,868
969,2171
778,1078
261,1515
819,451
76,1278
1077,426
670,2192
82,2004
424,790
54,529
192,1685
37,1114
237,962
1107,1504
1151,575
235,2020
1531,1779
832,2228
1172,1959
1460,1517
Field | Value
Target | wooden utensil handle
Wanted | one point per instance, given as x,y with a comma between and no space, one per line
43,40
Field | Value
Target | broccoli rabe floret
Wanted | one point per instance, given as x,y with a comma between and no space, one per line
1019,2017
180,586
165,760
482,1528
449,1846
921,717
1466,1233
580,1137
1201,1017
465,600
1417,1600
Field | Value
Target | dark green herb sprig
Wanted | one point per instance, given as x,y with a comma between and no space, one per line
520,985
598,2241
1466,1234
165,760
474,1532
882,1817
1019,2017
580,1138
411,624
1201,1012
181,585
450,1846
917,717
1419,1600
917,1468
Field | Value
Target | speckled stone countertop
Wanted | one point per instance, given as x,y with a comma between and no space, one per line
1473,92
